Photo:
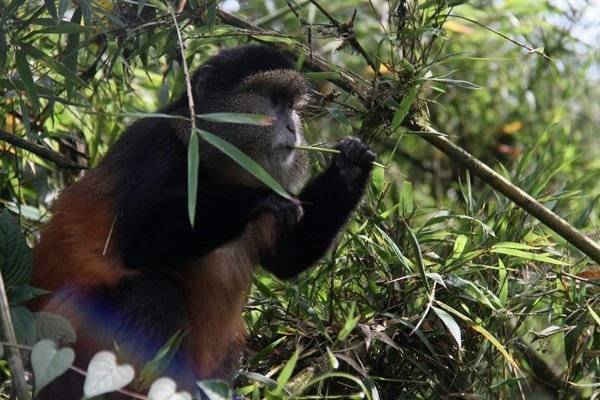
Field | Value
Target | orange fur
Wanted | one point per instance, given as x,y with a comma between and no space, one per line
72,244
216,288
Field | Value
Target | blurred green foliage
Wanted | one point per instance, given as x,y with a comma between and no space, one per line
440,288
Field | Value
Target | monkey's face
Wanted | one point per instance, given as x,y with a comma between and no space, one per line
278,95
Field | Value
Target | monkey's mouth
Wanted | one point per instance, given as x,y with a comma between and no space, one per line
285,147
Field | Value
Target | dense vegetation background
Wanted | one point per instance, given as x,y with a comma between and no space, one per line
441,287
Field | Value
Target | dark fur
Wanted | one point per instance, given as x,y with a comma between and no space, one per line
158,254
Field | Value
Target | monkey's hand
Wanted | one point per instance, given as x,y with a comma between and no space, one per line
287,213
354,162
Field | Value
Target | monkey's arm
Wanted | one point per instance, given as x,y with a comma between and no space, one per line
327,202
159,235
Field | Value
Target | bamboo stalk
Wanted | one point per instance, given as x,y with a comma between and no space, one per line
14,356
330,150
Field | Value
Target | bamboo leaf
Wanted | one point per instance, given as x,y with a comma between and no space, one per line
286,372
526,255
193,164
450,324
245,162
27,79
238,118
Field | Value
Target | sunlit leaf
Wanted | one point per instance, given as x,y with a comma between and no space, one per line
450,324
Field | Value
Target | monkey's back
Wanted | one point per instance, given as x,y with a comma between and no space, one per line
75,245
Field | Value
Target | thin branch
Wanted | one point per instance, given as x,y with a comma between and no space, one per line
14,356
503,36
347,32
41,151
186,71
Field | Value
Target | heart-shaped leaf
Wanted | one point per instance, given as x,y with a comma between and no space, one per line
164,389
215,389
105,376
49,363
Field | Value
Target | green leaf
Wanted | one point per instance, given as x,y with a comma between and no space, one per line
49,363
475,291
238,118
21,294
86,11
418,253
15,255
63,27
63,6
333,361
4,51
513,245
349,324
450,324
215,389
23,322
406,200
157,366
27,79
71,54
404,107
211,15
286,372
526,255
378,180
52,63
51,7
395,250
322,76
193,165
594,315
502,282
459,246
245,162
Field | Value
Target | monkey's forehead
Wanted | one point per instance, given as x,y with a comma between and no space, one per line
282,83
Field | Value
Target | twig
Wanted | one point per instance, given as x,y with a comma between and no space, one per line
502,35
186,71
347,31
43,152
281,13
14,356
330,150
427,308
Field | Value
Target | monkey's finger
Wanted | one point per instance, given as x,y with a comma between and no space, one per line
356,152
367,159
